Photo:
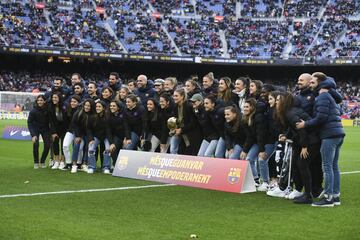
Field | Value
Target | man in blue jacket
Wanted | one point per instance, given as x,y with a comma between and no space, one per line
145,89
327,118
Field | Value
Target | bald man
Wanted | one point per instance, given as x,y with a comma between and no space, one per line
306,98
145,89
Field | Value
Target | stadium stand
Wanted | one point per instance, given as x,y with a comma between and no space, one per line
235,29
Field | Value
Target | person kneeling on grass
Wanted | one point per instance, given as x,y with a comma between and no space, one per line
38,124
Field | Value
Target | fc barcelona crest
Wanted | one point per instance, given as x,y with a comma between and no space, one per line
234,175
123,162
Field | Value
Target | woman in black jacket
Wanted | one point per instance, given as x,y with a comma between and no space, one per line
77,133
210,137
119,129
166,111
70,136
134,116
38,124
58,124
151,126
215,110
255,122
97,132
236,140
306,144
187,136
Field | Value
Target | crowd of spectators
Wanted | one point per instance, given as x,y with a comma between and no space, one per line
142,34
195,37
248,38
343,8
261,8
303,35
82,29
300,8
288,28
330,33
23,24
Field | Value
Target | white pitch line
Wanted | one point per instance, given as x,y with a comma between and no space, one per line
85,191
353,172
106,189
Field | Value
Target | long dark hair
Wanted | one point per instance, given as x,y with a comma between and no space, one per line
153,115
59,107
43,97
249,119
258,85
237,122
69,110
274,94
82,115
283,106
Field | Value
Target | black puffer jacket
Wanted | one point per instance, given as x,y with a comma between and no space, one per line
301,137
118,126
98,127
134,118
38,121
237,136
217,118
206,126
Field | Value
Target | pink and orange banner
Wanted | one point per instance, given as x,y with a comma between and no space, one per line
201,172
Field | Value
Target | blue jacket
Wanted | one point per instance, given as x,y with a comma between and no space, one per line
326,117
147,92
306,99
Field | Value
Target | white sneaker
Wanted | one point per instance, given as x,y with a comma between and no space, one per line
36,166
276,192
90,171
74,169
294,194
62,165
56,165
107,171
263,187
84,168
273,184
43,165
51,162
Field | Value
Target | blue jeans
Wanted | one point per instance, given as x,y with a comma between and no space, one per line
174,144
237,149
330,150
135,139
252,157
220,148
207,149
92,151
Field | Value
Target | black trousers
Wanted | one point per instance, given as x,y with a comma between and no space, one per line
58,143
303,166
46,138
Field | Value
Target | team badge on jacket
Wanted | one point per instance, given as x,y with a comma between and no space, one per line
234,175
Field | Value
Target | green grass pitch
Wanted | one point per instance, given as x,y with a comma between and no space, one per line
166,213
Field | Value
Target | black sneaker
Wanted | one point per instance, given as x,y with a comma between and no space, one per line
303,199
337,201
324,202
